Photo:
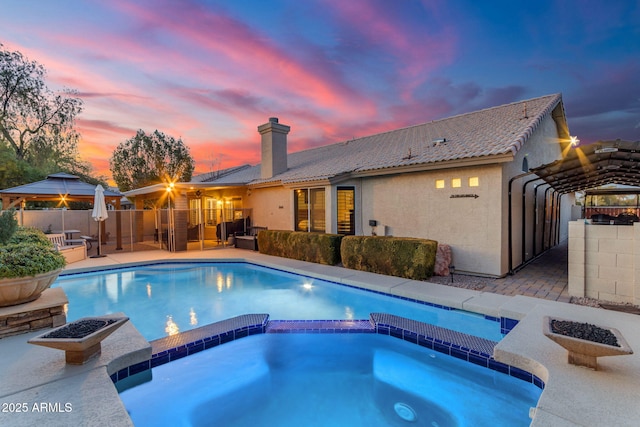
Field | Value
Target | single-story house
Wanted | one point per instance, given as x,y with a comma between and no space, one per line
463,181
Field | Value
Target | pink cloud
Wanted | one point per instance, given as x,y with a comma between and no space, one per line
210,79
251,54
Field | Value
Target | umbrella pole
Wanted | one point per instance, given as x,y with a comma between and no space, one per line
99,253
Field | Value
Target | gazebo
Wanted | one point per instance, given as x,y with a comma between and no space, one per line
56,187
60,187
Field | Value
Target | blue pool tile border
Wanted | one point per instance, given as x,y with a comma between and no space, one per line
506,325
168,349
320,326
462,346
204,261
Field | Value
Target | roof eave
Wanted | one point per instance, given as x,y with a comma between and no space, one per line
446,164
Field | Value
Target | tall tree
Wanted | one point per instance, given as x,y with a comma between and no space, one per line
35,122
150,159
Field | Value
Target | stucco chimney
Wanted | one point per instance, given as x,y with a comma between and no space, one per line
274,148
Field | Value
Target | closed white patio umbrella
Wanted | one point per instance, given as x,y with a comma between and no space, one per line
99,214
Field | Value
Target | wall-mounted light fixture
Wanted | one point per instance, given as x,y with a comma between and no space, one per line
373,224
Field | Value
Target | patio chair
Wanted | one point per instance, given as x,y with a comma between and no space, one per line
73,250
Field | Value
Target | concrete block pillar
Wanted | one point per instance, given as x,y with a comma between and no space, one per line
577,262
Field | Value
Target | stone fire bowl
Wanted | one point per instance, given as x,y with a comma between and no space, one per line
584,352
78,350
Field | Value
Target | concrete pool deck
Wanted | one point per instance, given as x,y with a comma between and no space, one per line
36,387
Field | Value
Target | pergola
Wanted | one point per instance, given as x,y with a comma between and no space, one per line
594,165
581,168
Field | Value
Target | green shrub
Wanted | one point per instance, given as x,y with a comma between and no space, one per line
313,247
28,259
28,252
30,235
393,256
8,225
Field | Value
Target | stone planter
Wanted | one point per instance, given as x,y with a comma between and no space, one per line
19,290
583,352
81,339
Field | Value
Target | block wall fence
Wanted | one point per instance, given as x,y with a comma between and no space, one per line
604,261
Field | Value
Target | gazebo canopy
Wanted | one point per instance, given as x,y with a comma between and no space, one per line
56,187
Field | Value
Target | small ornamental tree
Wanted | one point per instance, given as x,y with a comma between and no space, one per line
150,159
8,225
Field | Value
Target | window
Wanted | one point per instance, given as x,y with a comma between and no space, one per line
456,183
210,211
346,209
194,211
309,205
439,183
474,181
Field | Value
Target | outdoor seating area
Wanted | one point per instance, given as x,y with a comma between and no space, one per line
230,228
73,250
248,240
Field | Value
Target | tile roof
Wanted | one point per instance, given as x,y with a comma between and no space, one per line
490,132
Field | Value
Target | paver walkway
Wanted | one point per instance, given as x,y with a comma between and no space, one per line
545,277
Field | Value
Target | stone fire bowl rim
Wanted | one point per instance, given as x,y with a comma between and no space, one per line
80,344
582,346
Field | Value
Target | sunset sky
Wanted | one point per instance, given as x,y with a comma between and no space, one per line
211,71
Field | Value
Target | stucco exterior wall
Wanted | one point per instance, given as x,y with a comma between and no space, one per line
272,207
410,205
604,261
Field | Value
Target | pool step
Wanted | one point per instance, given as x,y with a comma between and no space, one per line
434,337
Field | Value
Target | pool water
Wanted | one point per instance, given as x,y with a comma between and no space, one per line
328,380
164,299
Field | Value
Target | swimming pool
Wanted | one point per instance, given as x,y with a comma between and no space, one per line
167,298
328,380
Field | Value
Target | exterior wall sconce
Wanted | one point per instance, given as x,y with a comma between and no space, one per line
373,224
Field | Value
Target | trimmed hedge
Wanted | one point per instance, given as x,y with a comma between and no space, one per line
313,247
394,256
